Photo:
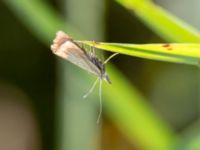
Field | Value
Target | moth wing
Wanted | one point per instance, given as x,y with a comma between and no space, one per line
73,53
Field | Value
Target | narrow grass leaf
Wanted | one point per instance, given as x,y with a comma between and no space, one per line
162,22
174,52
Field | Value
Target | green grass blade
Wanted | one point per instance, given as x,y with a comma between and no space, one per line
162,22
132,114
40,18
176,53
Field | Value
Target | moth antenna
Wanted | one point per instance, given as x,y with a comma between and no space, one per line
110,57
91,89
100,101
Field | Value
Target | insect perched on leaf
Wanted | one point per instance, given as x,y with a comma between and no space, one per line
65,47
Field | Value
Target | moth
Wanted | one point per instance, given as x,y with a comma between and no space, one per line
65,47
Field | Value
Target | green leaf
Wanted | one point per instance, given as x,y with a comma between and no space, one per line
162,22
176,53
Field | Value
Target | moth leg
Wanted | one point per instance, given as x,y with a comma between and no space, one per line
92,50
110,57
82,46
91,89
100,101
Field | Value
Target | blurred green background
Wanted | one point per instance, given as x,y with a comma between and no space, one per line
151,105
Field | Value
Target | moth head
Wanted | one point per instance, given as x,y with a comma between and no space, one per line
106,78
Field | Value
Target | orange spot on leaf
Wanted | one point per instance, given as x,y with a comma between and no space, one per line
167,46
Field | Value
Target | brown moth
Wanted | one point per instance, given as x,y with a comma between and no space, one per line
65,47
